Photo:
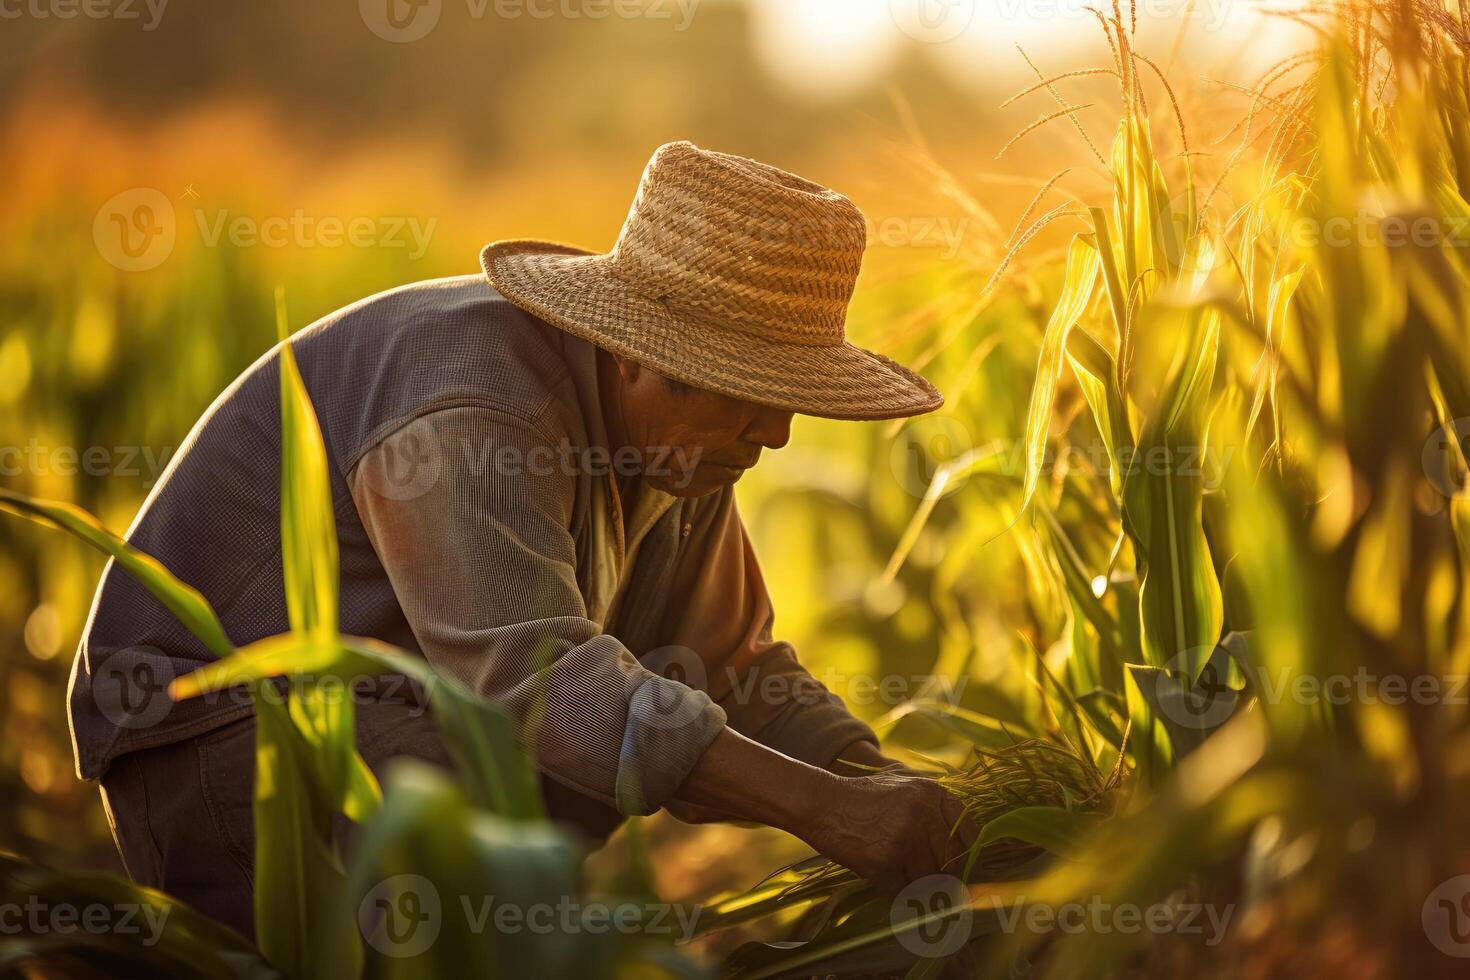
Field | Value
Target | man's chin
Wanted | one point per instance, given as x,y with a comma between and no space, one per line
703,481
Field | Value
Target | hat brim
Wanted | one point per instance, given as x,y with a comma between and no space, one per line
577,291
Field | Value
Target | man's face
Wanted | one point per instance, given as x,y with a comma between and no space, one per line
695,441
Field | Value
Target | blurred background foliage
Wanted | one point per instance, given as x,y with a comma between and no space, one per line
492,128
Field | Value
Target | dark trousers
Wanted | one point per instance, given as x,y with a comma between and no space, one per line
182,814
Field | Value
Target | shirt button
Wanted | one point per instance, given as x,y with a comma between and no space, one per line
688,529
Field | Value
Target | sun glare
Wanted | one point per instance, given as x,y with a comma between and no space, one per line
831,48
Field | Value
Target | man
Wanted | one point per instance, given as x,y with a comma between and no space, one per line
533,474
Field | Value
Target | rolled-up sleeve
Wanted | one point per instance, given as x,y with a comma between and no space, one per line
722,610
476,543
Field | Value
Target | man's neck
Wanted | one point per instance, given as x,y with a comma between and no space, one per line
609,392
614,423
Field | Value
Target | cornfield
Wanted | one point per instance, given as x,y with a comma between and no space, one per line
1242,480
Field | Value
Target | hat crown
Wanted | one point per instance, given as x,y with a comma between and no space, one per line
743,245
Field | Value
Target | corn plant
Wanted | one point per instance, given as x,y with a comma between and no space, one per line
1335,374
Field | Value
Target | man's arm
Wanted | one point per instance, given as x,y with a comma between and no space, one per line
475,543
722,611
889,828
484,568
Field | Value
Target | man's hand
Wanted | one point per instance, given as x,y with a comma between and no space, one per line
889,827
893,828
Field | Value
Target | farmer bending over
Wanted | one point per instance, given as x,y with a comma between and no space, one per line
533,474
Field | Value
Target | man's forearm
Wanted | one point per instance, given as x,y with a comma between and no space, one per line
888,827
748,781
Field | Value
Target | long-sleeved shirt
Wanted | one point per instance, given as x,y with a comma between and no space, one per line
480,525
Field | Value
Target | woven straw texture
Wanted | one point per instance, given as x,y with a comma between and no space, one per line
729,275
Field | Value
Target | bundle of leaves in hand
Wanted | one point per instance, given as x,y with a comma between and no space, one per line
1024,800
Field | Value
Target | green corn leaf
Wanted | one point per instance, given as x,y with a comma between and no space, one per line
148,933
1096,374
1051,828
308,521
972,726
1278,306
298,878
309,550
430,851
1188,711
1077,286
480,736
785,890
1078,582
1180,604
1113,282
182,600
1149,742
1100,705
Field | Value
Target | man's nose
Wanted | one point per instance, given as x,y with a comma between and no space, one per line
771,428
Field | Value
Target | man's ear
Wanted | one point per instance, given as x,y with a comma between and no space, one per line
627,370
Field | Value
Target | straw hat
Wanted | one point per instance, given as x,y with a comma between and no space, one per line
728,275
